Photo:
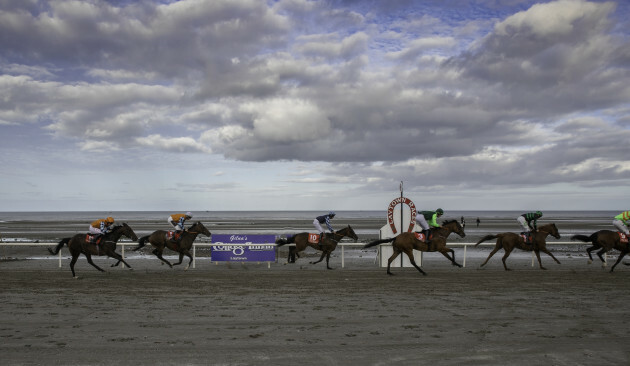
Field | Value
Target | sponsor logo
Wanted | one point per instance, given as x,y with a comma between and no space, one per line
390,212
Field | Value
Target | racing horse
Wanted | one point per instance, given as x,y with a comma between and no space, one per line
160,241
606,240
407,242
509,241
328,244
80,244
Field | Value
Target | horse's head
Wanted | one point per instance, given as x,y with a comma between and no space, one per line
198,227
350,233
128,232
454,227
550,229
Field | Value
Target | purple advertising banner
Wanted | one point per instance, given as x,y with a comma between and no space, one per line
254,248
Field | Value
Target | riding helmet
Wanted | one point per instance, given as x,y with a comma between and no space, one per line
439,211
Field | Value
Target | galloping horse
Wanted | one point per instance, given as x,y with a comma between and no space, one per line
407,242
509,241
78,244
606,240
328,244
159,241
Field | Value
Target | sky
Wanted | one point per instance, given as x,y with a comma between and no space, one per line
314,105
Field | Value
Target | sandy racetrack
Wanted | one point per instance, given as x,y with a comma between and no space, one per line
292,314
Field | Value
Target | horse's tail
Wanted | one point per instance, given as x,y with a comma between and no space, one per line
487,237
280,242
585,238
377,242
141,242
59,246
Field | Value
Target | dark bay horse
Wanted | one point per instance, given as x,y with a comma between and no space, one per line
183,246
78,244
606,240
328,244
509,241
407,242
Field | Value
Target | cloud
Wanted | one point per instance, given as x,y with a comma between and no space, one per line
173,144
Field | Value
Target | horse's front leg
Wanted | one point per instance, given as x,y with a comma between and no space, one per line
445,253
89,259
546,251
187,253
158,254
328,260
618,260
115,255
320,258
537,251
181,259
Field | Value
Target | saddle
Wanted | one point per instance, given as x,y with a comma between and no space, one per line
93,239
623,237
173,235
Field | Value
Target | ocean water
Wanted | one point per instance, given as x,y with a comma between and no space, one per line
469,215
44,226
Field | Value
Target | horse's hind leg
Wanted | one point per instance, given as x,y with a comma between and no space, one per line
588,251
505,256
72,263
413,261
89,259
493,252
391,259
599,254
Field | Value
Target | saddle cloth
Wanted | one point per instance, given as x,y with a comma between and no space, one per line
313,238
89,238
420,236
526,238
173,235
623,238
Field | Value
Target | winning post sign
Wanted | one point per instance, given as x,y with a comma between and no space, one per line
243,248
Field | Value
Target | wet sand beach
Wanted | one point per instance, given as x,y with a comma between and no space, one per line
248,314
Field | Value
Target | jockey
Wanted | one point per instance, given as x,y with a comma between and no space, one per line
178,220
432,216
319,220
527,219
622,221
100,227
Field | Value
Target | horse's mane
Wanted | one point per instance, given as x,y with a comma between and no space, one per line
445,222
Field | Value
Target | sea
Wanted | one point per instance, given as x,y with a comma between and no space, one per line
43,225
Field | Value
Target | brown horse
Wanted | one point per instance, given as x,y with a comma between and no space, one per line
328,244
606,240
407,242
159,241
78,244
509,241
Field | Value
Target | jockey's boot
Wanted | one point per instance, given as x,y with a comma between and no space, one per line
321,238
426,236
